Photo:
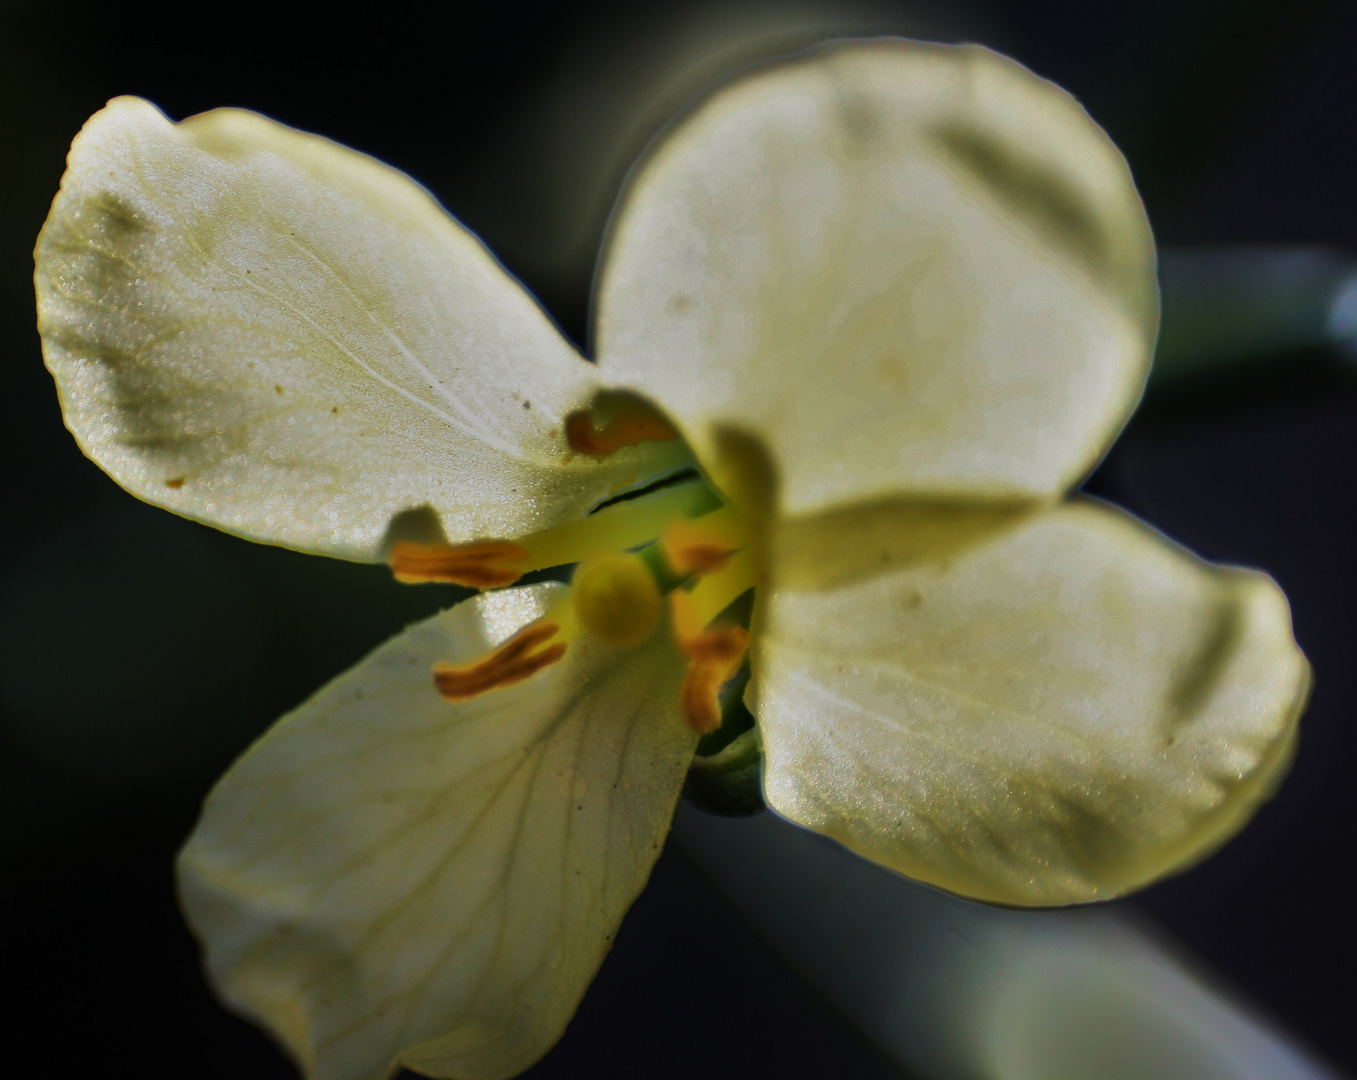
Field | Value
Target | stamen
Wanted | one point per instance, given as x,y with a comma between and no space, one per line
620,526
478,565
632,422
704,545
511,663
714,656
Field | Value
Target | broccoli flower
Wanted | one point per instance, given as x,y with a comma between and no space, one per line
865,317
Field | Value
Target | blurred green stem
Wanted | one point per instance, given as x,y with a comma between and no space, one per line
1231,305
953,990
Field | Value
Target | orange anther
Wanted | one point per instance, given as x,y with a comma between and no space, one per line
690,548
714,655
633,422
511,663
478,565
713,658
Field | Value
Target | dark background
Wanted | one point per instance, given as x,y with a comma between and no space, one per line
139,653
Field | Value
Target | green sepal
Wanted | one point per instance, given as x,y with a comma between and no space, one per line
730,781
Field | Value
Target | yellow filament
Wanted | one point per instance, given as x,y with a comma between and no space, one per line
491,564
716,591
623,525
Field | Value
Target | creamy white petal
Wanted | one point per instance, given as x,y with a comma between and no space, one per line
1058,711
386,878
274,334
908,269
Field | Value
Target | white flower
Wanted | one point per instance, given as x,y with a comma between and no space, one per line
896,299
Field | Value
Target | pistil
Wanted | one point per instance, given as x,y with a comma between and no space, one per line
617,599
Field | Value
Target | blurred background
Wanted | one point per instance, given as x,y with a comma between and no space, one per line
139,653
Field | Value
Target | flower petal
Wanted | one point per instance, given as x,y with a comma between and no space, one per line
387,878
908,269
1058,712
266,331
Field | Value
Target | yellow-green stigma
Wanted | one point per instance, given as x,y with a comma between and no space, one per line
616,598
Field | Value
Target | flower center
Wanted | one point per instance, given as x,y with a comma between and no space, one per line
679,547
